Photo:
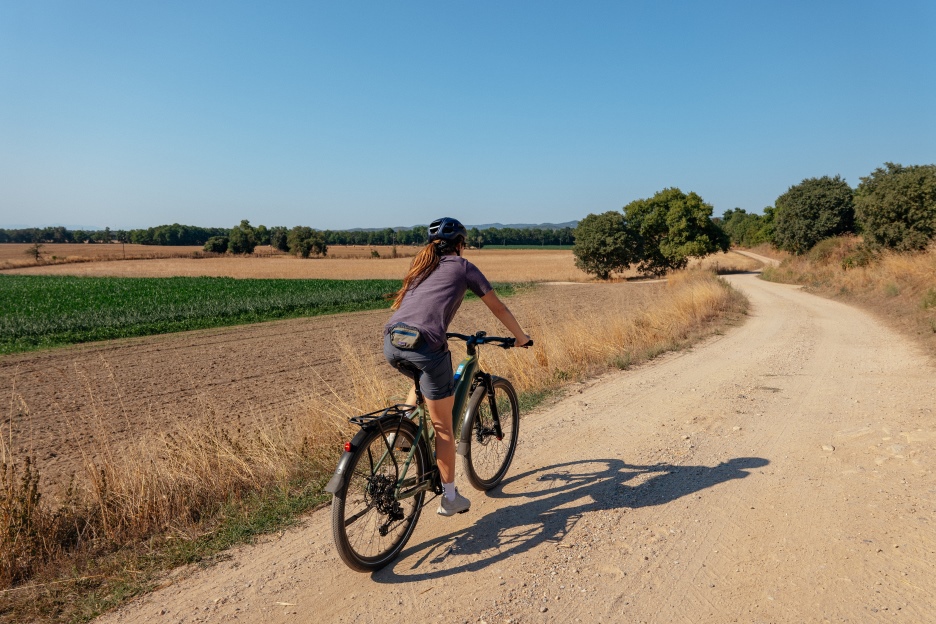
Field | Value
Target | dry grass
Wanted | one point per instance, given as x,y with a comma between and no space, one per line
900,288
769,251
514,265
171,487
727,262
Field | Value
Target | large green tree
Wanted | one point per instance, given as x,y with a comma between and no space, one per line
896,206
304,241
604,244
242,238
813,210
671,227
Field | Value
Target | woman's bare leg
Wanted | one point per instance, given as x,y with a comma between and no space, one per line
440,411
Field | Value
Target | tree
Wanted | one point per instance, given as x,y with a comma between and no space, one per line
304,241
278,236
262,234
896,206
35,251
814,209
671,227
475,238
743,228
604,244
242,239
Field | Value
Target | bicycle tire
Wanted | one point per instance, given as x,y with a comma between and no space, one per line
365,502
487,458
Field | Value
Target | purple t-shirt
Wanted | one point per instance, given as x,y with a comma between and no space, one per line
431,306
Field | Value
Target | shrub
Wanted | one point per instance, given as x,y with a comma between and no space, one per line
216,244
929,299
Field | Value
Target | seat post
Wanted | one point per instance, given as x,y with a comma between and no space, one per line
419,396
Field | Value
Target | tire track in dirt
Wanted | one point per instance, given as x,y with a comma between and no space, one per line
782,472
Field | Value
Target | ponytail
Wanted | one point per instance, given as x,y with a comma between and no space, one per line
425,262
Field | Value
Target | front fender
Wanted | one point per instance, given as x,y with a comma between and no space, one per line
465,434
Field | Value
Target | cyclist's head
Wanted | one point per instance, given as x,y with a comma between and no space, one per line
447,233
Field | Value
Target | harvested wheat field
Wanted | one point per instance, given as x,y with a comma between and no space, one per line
517,265
14,255
355,262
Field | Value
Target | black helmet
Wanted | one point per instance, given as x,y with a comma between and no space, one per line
447,229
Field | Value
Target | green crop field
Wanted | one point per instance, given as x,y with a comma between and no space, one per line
46,311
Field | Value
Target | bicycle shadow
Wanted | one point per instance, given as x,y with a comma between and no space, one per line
550,502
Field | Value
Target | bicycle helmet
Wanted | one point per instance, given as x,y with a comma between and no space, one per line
447,229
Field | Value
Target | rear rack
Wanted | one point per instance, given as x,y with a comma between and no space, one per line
369,420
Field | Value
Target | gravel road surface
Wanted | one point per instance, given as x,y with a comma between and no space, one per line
782,472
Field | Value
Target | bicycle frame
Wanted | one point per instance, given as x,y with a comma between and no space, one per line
469,381
467,377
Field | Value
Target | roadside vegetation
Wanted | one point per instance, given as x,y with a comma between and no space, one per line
183,497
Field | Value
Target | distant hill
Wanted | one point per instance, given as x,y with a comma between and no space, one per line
520,226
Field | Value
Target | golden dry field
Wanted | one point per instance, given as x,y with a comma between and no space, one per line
342,262
15,254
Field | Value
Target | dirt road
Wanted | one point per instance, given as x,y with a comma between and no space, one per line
783,472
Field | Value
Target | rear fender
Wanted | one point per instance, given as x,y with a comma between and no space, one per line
338,479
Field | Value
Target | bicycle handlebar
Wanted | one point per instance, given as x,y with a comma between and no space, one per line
481,338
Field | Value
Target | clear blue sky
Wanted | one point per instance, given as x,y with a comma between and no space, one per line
371,114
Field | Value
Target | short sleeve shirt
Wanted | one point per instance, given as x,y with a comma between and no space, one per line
432,304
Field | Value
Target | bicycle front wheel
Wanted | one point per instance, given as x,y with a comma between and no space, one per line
490,452
370,525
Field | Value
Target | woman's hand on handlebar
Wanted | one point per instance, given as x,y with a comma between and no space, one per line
526,342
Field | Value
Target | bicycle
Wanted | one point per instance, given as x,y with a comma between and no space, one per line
380,484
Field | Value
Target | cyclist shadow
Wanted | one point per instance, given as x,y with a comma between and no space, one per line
550,502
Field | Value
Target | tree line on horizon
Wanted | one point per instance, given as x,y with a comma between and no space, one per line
188,235
894,207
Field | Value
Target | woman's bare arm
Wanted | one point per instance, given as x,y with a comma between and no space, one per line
505,316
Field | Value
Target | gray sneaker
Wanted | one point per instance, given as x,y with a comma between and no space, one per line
451,507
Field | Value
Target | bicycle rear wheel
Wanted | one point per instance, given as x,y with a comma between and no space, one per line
369,525
488,455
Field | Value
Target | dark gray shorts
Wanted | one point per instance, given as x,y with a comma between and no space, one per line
437,380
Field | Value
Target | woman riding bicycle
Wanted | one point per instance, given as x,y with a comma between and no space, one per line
432,291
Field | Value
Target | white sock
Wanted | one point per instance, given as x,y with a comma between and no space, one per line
449,490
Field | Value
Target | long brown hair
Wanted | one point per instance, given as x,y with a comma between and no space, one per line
425,262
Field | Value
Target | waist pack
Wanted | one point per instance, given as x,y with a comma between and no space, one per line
404,337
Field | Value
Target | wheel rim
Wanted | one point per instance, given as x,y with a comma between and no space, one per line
376,525
489,455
